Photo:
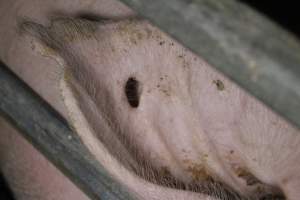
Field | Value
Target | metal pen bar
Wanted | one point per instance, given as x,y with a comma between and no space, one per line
43,127
247,47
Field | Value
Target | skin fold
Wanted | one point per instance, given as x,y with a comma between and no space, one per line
160,119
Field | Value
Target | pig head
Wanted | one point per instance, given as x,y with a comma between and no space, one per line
160,119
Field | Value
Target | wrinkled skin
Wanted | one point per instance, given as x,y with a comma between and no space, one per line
160,119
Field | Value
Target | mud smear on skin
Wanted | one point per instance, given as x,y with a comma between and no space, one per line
63,31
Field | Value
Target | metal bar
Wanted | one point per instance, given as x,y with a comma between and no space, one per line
43,127
247,47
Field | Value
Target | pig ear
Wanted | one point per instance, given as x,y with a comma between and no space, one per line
61,32
42,39
55,39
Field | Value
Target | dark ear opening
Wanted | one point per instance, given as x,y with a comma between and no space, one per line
133,92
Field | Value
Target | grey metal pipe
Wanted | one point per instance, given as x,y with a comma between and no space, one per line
43,127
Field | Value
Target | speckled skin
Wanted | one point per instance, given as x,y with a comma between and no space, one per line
192,123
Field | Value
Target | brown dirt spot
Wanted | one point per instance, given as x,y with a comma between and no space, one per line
166,92
198,172
220,85
247,176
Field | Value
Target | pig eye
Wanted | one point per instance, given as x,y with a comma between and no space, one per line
133,92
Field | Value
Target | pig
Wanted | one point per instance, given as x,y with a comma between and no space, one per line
161,120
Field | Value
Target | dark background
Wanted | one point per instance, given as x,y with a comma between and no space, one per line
5,193
283,12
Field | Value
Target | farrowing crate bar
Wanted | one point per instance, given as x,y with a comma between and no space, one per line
248,48
49,133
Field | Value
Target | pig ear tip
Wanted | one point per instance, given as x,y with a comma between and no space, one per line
26,26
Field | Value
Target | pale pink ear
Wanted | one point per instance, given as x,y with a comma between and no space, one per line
43,40
55,39
39,33
61,31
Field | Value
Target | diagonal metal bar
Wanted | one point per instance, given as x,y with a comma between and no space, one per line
49,133
247,47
